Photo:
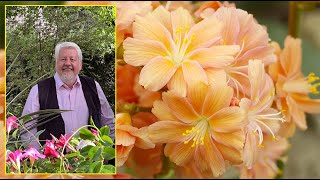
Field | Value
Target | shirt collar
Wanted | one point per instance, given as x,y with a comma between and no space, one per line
60,84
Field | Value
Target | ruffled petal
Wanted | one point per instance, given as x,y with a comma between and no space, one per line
180,107
167,131
157,73
227,120
197,93
181,22
162,111
232,155
216,77
193,72
297,114
149,28
124,138
179,153
233,140
142,139
216,99
139,52
216,56
209,157
163,15
204,31
177,83
307,104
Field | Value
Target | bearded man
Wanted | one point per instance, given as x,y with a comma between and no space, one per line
67,90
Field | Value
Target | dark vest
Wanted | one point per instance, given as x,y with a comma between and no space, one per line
48,100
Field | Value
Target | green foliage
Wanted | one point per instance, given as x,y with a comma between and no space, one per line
32,33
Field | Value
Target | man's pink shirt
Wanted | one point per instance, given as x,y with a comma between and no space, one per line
70,99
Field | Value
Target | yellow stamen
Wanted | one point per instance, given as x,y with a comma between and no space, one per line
275,139
261,146
185,142
312,78
314,87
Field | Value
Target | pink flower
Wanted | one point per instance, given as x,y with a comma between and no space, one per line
50,149
11,123
95,132
64,140
15,158
33,154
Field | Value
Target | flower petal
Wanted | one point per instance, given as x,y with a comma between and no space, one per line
139,52
232,155
233,140
164,17
204,31
142,139
297,114
180,107
216,56
250,149
156,73
177,83
167,131
307,104
217,98
181,18
227,120
291,56
197,93
124,138
216,77
193,72
209,156
123,154
148,27
162,111
179,153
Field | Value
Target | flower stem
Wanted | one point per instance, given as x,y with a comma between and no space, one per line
294,19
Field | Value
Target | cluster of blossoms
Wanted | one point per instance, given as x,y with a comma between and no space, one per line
200,89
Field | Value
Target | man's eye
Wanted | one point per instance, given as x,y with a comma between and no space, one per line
63,59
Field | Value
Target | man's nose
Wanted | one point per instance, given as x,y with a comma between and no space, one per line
67,62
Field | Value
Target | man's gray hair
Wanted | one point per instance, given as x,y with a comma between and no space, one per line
61,45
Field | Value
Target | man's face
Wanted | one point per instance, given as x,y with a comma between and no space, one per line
68,65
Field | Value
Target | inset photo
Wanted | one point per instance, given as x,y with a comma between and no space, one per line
60,89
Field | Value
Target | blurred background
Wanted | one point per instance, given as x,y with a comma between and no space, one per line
304,156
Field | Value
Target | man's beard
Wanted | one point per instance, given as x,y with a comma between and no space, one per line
67,78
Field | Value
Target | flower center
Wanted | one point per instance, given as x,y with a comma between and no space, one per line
182,44
196,133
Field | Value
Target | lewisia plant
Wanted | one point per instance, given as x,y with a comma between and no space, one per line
201,88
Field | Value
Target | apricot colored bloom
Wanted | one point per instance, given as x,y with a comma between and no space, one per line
292,88
128,137
126,12
173,5
266,164
200,128
174,50
240,28
146,163
210,7
260,116
191,171
130,91
11,123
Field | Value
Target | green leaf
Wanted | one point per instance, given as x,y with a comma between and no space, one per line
93,151
108,153
105,130
26,119
39,132
107,141
108,169
14,134
95,167
75,154
86,134
84,151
